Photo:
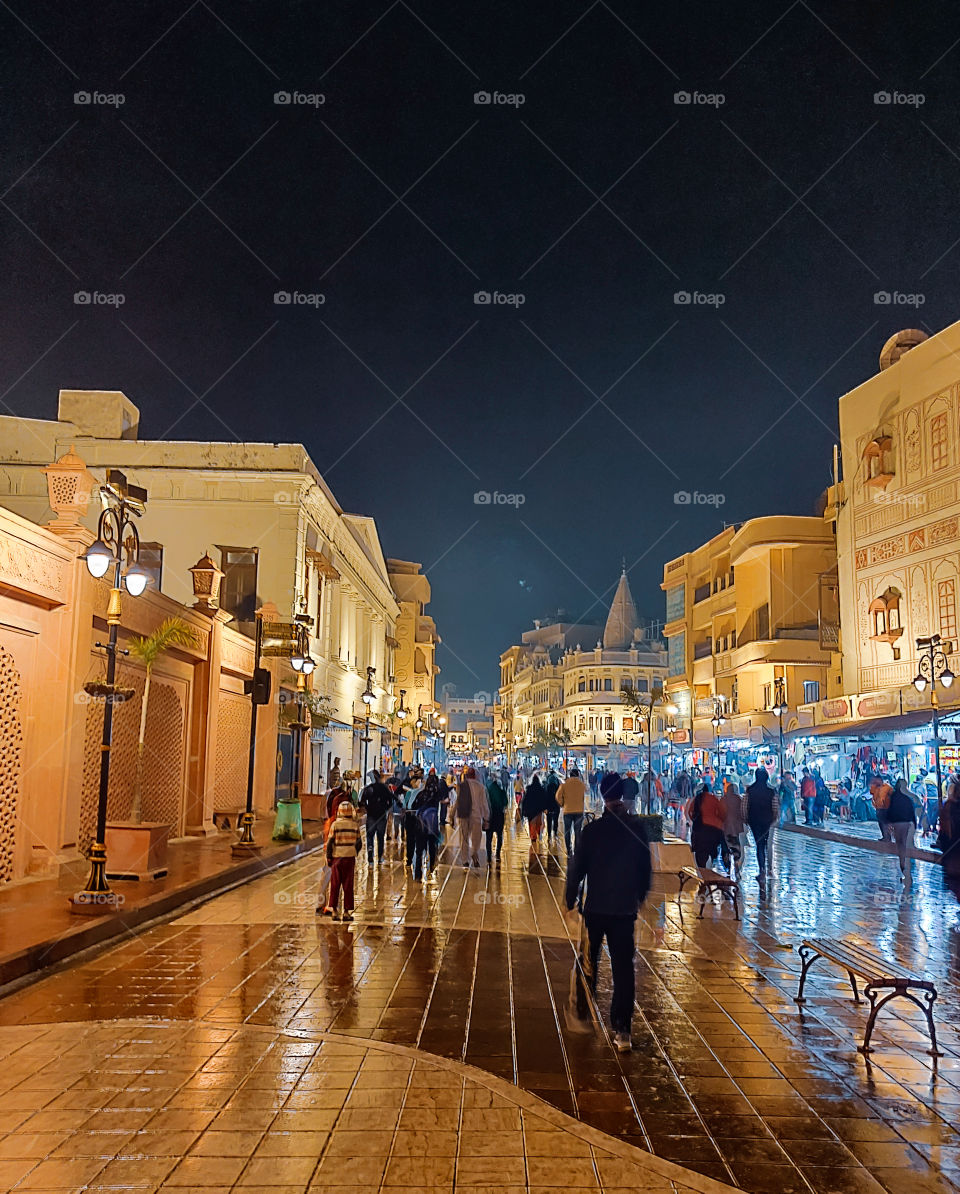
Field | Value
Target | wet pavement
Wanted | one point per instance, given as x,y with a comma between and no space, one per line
728,1077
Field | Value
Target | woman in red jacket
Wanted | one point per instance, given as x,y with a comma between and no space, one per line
708,813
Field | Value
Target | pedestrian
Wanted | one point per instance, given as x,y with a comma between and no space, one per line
821,801
571,796
426,807
631,790
518,790
343,846
651,792
901,821
808,794
614,858
734,827
375,801
880,793
707,815
788,799
533,806
551,786
761,812
594,782
498,801
948,839
411,822
470,812
444,808
333,778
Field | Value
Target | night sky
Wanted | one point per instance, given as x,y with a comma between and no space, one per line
796,199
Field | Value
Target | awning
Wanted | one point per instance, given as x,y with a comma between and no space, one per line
871,728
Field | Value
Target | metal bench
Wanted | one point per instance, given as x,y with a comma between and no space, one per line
709,881
878,975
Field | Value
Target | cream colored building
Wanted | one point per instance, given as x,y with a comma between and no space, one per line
754,604
416,647
265,515
897,514
555,680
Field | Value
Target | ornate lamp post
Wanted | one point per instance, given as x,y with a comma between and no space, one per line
717,721
117,546
401,714
368,696
657,697
933,666
780,708
418,726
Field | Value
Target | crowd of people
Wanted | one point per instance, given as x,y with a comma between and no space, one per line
608,865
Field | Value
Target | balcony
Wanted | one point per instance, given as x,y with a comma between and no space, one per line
701,593
703,650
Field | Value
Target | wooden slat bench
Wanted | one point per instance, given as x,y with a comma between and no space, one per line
709,881
878,975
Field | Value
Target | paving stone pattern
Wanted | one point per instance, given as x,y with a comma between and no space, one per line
728,1077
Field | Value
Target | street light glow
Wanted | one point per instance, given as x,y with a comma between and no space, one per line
98,558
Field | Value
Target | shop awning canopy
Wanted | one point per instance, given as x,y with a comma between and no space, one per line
872,727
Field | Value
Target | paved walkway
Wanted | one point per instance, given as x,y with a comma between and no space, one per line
728,1078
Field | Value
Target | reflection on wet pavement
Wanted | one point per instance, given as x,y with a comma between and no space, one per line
727,1076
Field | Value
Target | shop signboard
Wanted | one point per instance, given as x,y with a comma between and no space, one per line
878,704
836,709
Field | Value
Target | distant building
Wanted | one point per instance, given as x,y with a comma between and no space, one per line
555,681
745,610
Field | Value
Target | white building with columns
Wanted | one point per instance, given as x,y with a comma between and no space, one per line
265,515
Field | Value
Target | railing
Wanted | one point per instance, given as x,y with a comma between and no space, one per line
701,594
702,650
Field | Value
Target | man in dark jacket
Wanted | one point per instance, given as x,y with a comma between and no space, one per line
614,858
376,801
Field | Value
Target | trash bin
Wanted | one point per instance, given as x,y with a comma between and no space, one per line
288,826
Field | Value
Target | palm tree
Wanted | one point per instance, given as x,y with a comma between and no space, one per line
172,632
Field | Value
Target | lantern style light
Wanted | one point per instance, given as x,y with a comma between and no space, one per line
98,558
136,578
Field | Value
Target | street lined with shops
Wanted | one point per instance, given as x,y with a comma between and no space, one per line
728,1077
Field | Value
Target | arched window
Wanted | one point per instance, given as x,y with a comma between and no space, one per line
884,613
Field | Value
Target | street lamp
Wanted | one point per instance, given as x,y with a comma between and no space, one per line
717,721
289,822
401,715
779,708
933,666
657,696
117,543
418,726
368,696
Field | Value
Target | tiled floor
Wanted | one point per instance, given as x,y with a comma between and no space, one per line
728,1077
184,1107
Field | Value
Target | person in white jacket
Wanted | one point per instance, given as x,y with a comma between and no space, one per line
471,812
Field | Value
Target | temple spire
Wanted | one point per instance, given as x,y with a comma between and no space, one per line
622,619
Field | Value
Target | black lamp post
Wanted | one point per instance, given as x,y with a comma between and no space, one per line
401,715
657,696
780,708
303,664
717,721
417,741
117,544
933,666
368,696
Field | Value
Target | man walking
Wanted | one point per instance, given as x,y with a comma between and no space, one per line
761,806
630,791
614,858
376,801
571,796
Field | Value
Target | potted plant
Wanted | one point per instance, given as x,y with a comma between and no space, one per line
137,849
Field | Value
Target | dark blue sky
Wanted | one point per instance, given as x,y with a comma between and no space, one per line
794,196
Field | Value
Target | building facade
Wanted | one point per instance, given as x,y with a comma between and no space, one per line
415,667
751,607
552,684
53,614
266,517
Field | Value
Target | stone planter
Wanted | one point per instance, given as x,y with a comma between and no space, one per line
653,824
137,850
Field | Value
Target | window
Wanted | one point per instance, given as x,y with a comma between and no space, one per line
581,685
884,616
238,589
151,560
766,696
628,724
608,685
939,445
811,691
947,604
590,723
675,603
608,723
676,654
